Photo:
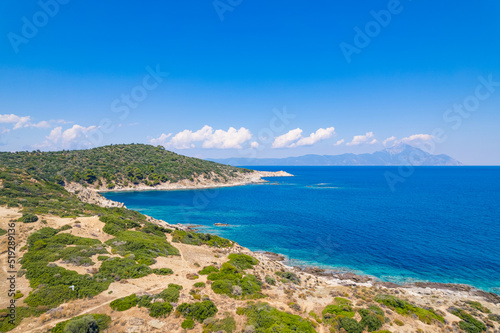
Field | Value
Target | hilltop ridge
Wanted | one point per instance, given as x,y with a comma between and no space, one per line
128,166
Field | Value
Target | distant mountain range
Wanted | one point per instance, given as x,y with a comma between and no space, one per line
401,154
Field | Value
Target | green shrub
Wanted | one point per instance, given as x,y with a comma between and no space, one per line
121,268
2,232
287,277
171,294
242,261
198,311
350,325
199,285
229,281
372,318
194,238
469,324
102,258
18,294
143,246
227,325
341,308
207,270
188,324
270,280
145,301
405,308
28,218
160,309
83,324
163,271
51,296
268,319
65,227
124,303
478,306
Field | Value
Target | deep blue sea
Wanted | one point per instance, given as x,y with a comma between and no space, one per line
437,224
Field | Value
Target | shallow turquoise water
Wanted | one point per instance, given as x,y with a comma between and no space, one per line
441,224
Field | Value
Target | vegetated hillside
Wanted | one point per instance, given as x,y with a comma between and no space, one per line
117,165
85,268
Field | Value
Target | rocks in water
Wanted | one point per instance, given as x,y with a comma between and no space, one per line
221,224
274,256
353,277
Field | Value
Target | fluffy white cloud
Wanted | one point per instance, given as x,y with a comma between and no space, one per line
232,138
338,143
161,140
19,122
287,139
360,139
386,141
417,138
294,138
254,144
22,122
71,137
319,135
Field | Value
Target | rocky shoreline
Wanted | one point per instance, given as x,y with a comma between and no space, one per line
352,279
92,195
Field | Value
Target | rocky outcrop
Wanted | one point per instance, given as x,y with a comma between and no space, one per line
91,196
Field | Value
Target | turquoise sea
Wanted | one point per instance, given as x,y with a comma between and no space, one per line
440,224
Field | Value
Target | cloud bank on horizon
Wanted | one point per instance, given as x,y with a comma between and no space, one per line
66,135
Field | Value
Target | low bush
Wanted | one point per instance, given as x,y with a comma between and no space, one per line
143,246
270,280
350,325
242,261
229,281
171,294
342,307
405,308
208,269
160,309
188,324
198,311
199,285
265,318
163,271
372,318
85,323
468,323
287,277
2,232
227,325
125,303
194,238
478,306
28,218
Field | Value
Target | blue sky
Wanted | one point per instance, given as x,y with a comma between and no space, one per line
252,78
